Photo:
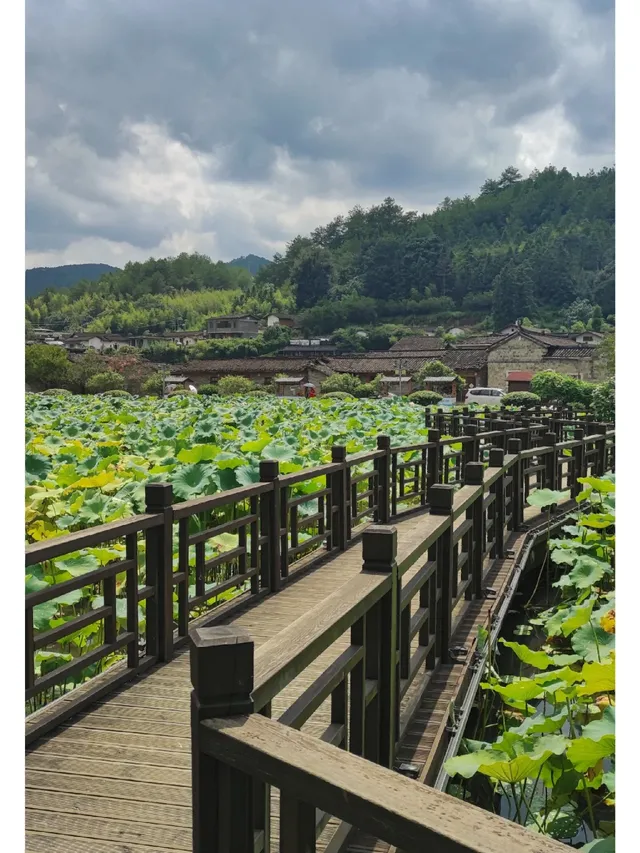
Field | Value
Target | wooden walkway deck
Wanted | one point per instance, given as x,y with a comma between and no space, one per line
116,778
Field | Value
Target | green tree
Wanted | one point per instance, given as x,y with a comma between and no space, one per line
228,385
344,382
597,319
512,294
107,381
46,366
311,276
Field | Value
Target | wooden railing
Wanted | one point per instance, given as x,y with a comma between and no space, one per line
171,576
391,647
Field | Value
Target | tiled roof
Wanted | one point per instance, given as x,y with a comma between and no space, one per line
578,351
550,340
375,362
246,365
418,342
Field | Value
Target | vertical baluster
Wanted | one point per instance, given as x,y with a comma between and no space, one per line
253,559
474,476
159,571
383,468
357,692
496,460
131,545
270,526
441,503
183,569
339,501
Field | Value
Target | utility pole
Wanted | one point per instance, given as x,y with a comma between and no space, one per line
399,371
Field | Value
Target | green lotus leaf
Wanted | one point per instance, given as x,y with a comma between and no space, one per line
246,475
593,643
597,520
587,571
600,845
540,723
468,765
198,453
190,481
585,753
575,618
37,467
598,484
597,729
43,614
544,498
77,564
33,584
278,451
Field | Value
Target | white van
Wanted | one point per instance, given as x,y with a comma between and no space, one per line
484,396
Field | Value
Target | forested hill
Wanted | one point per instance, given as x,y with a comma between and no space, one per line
533,247
540,247
253,263
40,278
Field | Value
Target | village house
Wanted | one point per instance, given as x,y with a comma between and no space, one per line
261,370
280,320
233,326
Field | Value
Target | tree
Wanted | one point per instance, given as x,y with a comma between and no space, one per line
607,350
228,385
345,382
153,385
46,366
107,381
512,294
597,319
311,276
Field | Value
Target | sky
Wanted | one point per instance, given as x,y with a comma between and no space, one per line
229,126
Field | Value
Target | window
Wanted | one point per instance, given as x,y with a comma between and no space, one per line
224,324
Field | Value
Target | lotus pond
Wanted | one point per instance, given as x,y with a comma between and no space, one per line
541,747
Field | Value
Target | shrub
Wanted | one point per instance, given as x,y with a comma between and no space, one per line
235,385
371,389
46,365
57,392
554,387
117,392
153,385
425,398
344,382
208,390
604,400
179,392
107,381
521,398
259,392
338,395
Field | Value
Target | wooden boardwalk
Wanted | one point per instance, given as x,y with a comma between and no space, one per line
116,778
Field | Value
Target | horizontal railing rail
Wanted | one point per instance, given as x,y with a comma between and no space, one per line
181,563
238,756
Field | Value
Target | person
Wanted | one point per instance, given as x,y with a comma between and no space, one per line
312,391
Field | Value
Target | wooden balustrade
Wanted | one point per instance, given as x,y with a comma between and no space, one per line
284,523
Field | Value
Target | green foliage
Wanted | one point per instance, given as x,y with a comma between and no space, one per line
46,366
208,390
425,398
153,385
259,392
603,400
107,381
521,398
433,368
607,350
338,395
555,762
234,385
342,382
554,387
116,392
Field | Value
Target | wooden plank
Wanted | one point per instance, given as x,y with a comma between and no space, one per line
138,740
89,752
92,830
399,810
43,842
163,785
147,804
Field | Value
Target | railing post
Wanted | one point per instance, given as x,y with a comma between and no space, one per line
383,467
602,450
434,462
470,448
270,526
441,503
159,559
549,439
338,498
514,446
496,460
474,476
577,454
500,441
224,819
379,550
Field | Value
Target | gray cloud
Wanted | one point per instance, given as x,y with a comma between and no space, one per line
233,126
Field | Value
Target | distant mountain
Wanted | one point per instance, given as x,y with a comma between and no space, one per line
40,278
250,262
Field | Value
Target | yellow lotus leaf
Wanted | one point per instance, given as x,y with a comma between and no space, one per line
608,622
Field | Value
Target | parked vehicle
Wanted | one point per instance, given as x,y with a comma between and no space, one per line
484,396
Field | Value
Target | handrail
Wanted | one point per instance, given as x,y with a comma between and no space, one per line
398,810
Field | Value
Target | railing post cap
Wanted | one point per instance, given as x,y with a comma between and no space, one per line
496,457
221,664
440,498
549,438
269,469
158,496
470,429
474,474
434,435
379,548
514,445
578,433
383,442
338,453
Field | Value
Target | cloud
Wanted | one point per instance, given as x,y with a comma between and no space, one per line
228,128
